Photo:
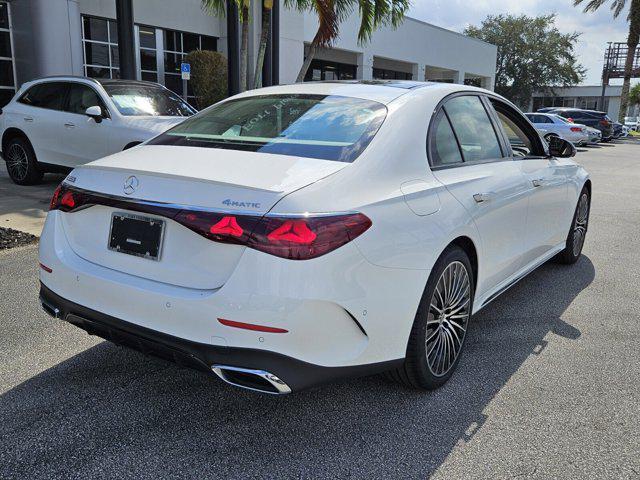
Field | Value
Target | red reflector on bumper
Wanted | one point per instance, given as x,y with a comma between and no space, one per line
251,326
45,268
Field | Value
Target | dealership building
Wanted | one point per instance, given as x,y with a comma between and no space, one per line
588,97
79,37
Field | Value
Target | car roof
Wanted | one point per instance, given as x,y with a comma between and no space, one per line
115,81
570,109
382,91
96,81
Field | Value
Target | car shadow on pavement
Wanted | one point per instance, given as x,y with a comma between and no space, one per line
109,409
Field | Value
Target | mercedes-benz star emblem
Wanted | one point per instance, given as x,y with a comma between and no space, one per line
131,184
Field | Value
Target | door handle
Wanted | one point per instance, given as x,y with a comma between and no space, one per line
69,125
483,197
538,182
28,119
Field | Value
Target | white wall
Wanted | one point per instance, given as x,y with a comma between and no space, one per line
612,92
42,38
185,15
54,29
414,42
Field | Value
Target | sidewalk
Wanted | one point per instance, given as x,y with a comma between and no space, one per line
25,208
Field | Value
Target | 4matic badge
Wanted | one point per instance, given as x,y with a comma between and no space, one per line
234,203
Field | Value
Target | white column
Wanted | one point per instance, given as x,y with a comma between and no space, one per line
487,83
365,66
418,72
458,77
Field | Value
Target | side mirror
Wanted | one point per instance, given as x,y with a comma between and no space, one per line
94,112
560,148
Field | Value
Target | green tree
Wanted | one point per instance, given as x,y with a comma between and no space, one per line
217,7
267,7
634,95
372,13
633,38
208,76
533,55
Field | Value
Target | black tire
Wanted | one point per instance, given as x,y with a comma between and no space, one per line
417,371
578,230
22,164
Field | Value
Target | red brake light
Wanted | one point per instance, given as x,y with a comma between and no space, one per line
227,226
576,129
68,200
306,237
293,237
65,199
54,200
294,231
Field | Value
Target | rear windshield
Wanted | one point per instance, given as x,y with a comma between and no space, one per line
314,126
148,100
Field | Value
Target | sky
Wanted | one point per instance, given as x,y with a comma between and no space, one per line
597,28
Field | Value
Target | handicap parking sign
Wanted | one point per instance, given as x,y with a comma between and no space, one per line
185,69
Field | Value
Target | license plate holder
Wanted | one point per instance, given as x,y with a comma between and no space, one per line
136,235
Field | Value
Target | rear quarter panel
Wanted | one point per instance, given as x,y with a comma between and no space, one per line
413,216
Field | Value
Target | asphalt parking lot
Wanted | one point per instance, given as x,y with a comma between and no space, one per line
549,385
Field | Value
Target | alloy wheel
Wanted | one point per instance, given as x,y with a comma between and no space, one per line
17,161
448,318
580,226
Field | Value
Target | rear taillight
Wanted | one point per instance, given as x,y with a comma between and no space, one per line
65,199
302,238
576,129
295,238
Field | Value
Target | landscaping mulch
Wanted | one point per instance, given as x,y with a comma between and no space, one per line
10,238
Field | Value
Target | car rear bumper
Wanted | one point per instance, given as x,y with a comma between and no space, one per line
336,311
295,374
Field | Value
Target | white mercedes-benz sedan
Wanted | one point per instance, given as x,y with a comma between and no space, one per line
297,234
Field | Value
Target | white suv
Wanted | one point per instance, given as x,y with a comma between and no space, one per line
56,123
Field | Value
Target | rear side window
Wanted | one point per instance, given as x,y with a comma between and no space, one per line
473,129
45,95
444,147
82,97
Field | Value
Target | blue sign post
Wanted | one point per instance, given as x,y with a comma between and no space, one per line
185,69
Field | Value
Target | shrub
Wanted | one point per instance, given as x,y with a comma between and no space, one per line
208,76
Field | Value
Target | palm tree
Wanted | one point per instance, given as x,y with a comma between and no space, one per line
632,40
217,7
267,7
373,14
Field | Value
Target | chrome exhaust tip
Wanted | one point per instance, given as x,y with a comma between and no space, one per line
50,309
256,380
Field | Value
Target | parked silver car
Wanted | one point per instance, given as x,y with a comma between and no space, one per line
556,126
632,122
595,135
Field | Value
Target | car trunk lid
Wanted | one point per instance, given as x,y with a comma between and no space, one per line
175,179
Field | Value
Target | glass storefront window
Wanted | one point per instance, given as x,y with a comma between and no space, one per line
176,46
100,42
7,79
324,70
148,54
385,74
157,54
